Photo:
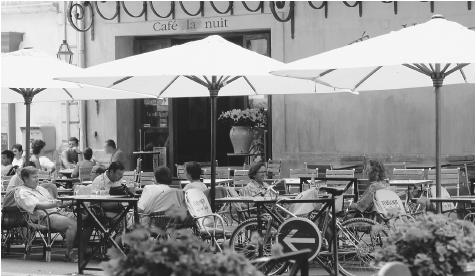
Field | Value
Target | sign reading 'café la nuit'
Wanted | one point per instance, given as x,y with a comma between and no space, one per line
191,24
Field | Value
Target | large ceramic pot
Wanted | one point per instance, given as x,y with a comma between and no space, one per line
241,138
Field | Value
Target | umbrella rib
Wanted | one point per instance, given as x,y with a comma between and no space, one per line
251,85
426,67
422,69
462,74
119,81
197,80
207,80
446,67
415,68
326,72
167,86
367,76
457,67
232,80
69,94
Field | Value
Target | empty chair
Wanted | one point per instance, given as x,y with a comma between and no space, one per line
130,176
407,174
298,173
356,162
240,178
322,168
389,167
449,179
341,184
146,178
85,174
181,174
221,172
273,169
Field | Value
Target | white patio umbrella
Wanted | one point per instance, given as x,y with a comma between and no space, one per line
210,67
438,50
27,76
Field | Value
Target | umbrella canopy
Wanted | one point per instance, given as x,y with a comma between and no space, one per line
27,75
209,67
438,50
186,70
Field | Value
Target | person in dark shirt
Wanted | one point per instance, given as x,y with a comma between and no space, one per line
71,155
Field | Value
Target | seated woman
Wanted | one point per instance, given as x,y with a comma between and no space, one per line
86,163
257,186
376,174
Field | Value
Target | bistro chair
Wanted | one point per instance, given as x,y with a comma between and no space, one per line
341,184
356,162
297,173
321,168
211,226
146,178
85,174
220,173
407,174
5,182
390,167
12,222
240,178
273,169
181,174
449,179
39,230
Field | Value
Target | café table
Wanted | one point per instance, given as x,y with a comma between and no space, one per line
66,172
66,182
352,180
80,203
260,202
219,181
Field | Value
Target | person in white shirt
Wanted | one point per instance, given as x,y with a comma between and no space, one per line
7,159
19,157
193,172
109,179
31,197
152,193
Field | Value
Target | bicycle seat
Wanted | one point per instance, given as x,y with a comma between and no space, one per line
333,191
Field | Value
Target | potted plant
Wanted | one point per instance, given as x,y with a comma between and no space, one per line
245,125
185,255
433,245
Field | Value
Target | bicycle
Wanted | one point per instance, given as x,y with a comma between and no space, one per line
355,237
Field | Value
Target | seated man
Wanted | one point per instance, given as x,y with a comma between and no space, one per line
71,155
109,179
86,163
32,198
152,195
7,159
193,172
16,182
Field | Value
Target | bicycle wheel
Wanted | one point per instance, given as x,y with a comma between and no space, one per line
469,217
244,242
357,239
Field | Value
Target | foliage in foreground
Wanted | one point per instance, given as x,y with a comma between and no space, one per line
184,256
432,245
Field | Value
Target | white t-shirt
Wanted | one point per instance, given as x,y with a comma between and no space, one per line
150,193
17,162
195,185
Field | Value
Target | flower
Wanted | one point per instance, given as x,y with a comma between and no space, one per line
252,117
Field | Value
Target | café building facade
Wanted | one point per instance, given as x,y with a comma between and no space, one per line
394,124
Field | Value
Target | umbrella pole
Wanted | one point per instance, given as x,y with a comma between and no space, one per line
28,100
213,107
437,83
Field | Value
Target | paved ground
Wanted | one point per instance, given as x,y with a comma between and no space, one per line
14,265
